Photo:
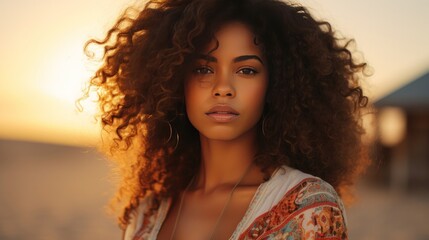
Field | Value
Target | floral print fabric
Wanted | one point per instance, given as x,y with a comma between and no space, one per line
311,210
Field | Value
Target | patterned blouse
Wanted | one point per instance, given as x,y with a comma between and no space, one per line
291,205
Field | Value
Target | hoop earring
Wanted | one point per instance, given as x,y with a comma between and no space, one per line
171,135
171,132
177,141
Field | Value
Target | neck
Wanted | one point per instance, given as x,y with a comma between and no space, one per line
223,163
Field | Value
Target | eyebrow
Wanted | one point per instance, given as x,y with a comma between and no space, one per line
210,58
247,57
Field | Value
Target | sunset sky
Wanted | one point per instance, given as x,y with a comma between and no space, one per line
43,68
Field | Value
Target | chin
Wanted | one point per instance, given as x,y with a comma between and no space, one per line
223,134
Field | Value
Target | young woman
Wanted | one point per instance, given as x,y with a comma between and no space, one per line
236,111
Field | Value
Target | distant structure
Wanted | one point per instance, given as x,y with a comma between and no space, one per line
403,130
412,97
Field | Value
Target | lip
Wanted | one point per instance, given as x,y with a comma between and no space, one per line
222,113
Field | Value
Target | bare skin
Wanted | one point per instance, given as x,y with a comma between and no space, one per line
200,211
233,76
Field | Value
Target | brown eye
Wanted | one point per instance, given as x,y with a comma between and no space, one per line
247,71
202,70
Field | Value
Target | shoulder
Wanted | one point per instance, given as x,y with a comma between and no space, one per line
309,209
313,191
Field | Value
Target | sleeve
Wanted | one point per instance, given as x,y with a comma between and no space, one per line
312,211
325,222
321,222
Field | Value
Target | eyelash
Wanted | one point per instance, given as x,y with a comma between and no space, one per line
199,70
207,70
247,69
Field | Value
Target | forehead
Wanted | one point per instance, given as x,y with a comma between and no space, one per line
233,37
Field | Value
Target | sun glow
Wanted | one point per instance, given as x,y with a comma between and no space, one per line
65,74
44,69
46,108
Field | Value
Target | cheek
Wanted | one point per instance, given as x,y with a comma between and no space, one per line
256,104
255,96
193,97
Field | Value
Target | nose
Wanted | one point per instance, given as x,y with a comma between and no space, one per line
223,87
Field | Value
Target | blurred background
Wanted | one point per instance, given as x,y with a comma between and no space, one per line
55,185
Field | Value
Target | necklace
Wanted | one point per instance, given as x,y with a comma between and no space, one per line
221,213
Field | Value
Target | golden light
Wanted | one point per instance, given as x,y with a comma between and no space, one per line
66,71
42,101
392,125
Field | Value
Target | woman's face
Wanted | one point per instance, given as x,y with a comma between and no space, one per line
225,89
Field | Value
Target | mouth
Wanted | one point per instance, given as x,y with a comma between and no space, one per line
222,113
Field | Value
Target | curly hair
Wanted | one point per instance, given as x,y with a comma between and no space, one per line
314,100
